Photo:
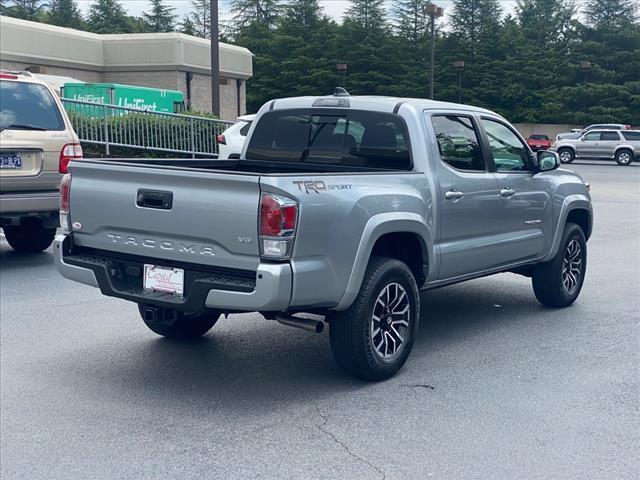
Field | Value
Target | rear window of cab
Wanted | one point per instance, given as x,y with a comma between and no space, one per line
28,106
353,138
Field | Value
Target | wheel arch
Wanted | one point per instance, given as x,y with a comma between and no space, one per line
404,236
576,209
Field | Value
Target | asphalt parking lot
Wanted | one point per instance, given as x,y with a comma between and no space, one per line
497,387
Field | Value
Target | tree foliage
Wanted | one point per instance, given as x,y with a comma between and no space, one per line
108,16
64,13
160,17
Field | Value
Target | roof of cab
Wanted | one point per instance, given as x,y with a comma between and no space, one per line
22,76
372,102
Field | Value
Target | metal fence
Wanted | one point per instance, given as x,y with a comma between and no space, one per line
111,125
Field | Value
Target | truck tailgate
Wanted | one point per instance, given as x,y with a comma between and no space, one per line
177,214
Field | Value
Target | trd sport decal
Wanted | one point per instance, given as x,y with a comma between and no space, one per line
318,186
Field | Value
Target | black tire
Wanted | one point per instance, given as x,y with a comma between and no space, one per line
549,283
350,331
624,157
569,155
29,237
179,325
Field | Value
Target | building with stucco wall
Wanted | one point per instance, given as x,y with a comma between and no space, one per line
161,60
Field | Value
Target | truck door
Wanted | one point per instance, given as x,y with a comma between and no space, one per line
525,218
468,238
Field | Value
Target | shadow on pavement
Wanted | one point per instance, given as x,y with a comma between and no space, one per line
12,260
250,364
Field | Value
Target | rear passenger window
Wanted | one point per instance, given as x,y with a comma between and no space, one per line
458,142
245,129
632,136
610,136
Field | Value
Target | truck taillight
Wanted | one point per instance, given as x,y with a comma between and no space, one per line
278,218
71,151
65,190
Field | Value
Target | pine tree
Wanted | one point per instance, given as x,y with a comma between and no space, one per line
108,16
26,9
64,13
186,26
305,13
248,12
546,22
611,14
476,21
366,14
161,17
200,18
411,23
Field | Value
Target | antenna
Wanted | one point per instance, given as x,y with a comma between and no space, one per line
340,92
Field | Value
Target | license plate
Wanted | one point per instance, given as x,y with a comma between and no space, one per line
539,146
10,161
164,279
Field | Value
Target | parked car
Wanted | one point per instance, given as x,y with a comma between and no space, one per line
339,206
232,139
577,133
37,142
623,146
538,142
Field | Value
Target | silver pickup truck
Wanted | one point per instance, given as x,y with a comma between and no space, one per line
342,207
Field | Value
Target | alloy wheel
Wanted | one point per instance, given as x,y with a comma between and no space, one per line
572,266
390,321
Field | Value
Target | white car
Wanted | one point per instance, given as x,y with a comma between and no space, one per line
232,139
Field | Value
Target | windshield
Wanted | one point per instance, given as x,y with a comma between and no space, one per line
28,105
338,137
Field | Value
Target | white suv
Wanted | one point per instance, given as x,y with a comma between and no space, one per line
37,142
232,139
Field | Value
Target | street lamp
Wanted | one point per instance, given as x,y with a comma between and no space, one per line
433,12
586,68
215,60
459,66
342,70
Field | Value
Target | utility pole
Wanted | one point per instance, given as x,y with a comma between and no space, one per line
342,70
215,60
459,66
433,12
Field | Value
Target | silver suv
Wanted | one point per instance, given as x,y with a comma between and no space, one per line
621,145
37,142
577,133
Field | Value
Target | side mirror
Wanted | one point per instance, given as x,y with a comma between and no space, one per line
547,160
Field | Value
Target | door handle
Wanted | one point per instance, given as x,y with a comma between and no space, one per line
453,195
507,192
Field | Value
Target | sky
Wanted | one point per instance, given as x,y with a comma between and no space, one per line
333,8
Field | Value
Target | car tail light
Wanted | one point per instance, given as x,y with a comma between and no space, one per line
221,139
278,219
65,191
8,76
71,151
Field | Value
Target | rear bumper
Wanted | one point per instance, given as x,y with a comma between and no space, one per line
269,290
12,204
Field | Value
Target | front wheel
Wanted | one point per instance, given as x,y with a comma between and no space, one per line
177,325
557,283
374,337
566,155
624,157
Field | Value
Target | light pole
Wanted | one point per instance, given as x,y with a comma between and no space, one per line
215,60
342,70
459,66
433,12
586,68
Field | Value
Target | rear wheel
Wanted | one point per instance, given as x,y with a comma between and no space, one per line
374,337
29,237
557,283
178,325
624,157
566,155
